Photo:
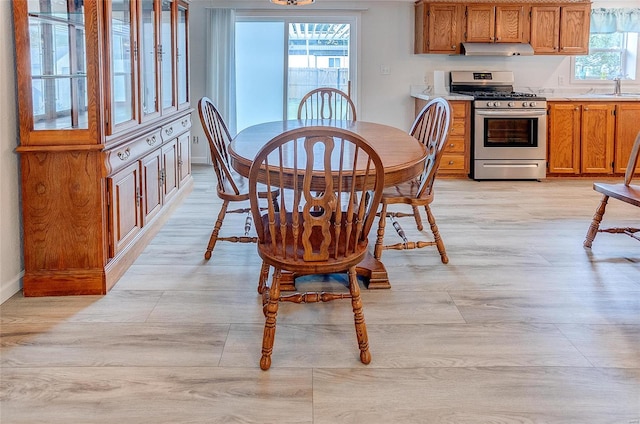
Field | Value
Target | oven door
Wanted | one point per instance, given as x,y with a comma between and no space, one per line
510,134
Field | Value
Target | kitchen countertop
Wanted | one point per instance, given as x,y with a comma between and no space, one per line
422,92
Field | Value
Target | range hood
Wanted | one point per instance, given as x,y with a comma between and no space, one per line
496,49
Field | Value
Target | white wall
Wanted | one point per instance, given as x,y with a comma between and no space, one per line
387,39
10,244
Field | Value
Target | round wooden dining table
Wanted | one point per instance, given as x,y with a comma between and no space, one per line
402,156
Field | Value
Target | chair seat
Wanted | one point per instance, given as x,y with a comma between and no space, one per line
628,194
295,249
406,193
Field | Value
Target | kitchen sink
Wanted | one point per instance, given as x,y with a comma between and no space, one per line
614,95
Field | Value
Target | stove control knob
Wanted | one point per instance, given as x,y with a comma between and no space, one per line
532,104
489,104
525,104
496,104
511,104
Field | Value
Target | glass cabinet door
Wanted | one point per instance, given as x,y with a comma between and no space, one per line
122,63
58,64
149,58
167,54
182,76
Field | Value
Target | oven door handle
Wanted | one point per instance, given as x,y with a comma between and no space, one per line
512,113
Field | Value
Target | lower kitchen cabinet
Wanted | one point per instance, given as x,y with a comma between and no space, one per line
581,138
627,128
455,159
125,207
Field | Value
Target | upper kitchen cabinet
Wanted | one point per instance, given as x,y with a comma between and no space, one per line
438,27
102,91
488,23
560,29
552,28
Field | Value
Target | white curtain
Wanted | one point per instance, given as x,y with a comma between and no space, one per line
606,20
220,62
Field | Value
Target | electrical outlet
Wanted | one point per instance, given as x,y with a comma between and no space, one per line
195,139
560,80
385,70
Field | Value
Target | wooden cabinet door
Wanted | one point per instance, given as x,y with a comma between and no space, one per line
443,29
420,43
510,24
563,149
545,29
152,189
169,171
597,138
184,157
481,23
574,29
627,128
125,218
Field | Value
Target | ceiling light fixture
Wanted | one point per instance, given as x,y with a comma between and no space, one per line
292,2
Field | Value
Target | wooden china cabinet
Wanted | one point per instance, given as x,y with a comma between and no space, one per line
103,90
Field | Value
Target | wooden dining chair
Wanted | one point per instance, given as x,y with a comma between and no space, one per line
231,187
327,103
431,128
330,184
625,192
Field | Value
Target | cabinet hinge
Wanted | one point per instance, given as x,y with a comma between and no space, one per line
138,196
428,13
135,50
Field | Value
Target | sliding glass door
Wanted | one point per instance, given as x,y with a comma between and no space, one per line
279,60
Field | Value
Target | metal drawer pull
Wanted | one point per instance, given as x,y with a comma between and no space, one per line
151,141
124,155
185,122
168,131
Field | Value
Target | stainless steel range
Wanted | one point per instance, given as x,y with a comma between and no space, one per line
509,129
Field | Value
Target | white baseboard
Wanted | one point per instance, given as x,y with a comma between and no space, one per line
200,160
11,287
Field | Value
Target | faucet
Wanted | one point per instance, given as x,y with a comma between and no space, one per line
616,87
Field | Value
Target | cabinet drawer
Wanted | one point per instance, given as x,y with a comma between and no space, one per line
452,162
176,128
459,111
129,152
454,145
458,127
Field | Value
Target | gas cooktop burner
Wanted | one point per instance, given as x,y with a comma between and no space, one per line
499,95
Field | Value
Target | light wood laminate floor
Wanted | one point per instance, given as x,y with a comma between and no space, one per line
522,326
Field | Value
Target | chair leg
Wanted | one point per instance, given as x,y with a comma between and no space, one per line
270,322
264,275
377,250
595,223
216,230
361,327
436,235
416,216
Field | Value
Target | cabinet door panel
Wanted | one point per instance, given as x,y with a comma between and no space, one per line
184,157
627,128
510,22
597,138
545,29
148,58
443,28
564,138
169,170
151,187
574,29
123,93
481,23
167,54
182,55
125,219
